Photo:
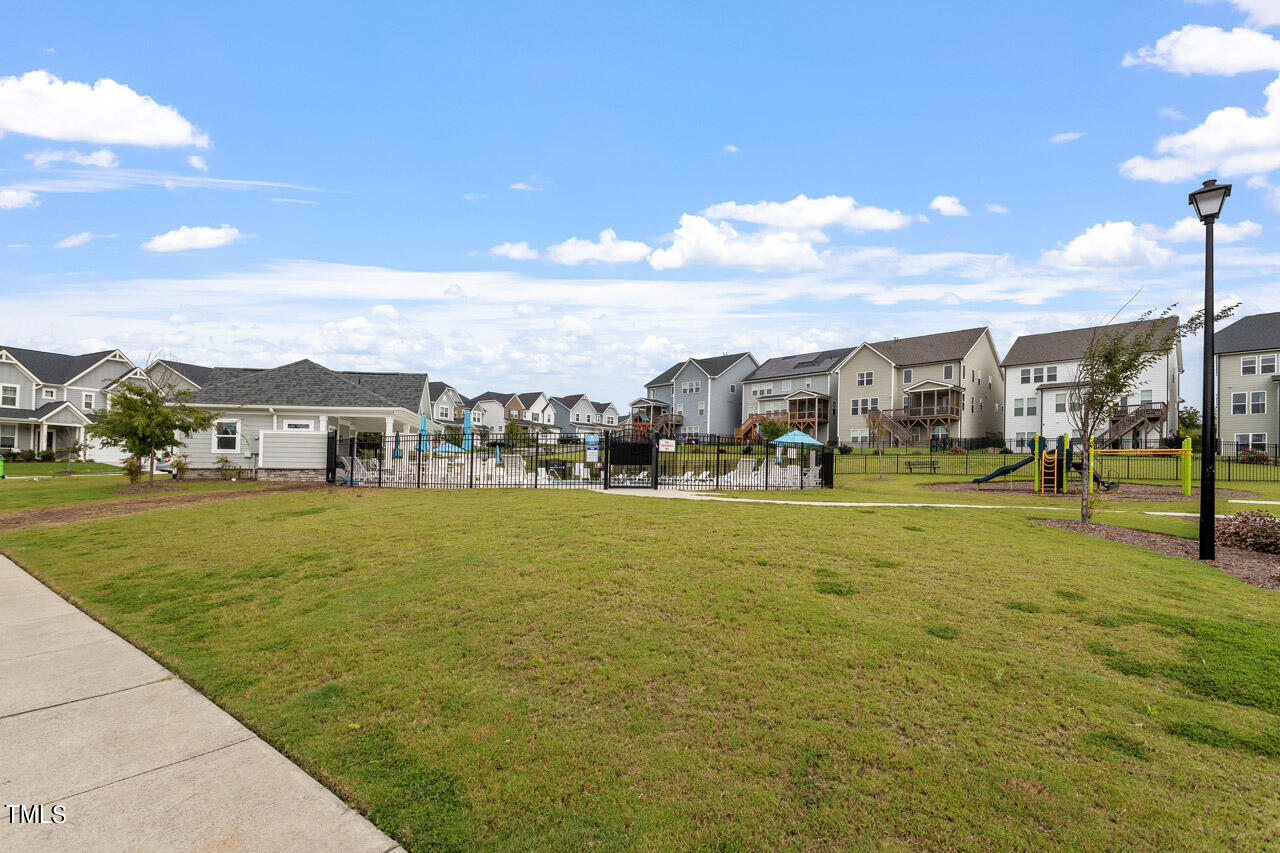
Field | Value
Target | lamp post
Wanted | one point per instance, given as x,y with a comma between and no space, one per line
1208,204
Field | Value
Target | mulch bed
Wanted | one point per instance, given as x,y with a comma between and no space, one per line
1252,567
128,506
1126,491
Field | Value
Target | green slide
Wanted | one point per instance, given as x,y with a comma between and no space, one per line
1000,472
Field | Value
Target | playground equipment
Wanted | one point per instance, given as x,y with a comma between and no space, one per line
1183,454
1053,464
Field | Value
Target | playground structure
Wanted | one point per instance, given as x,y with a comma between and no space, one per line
1054,466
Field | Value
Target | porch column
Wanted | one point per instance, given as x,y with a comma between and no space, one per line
80,441
391,426
324,423
44,432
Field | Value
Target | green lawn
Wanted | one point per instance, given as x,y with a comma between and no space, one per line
18,495
42,469
549,671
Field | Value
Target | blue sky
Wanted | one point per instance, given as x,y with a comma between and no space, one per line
426,188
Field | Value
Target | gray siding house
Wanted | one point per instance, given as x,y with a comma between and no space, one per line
47,398
575,414
275,422
800,390
697,396
1245,355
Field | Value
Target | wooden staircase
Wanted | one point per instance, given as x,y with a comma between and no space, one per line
1125,419
878,422
747,432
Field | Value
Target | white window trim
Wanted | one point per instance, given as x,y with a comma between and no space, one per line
213,444
1252,358
1253,402
49,393
1244,401
908,375
88,401
3,390
13,427
302,425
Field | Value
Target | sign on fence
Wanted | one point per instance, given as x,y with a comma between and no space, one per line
666,445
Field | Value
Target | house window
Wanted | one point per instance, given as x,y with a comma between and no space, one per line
1039,375
907,376
906,400
9,396
226,436
307,425
1258,403
977,377
534,416
1256,441
50,394
577,417
875,403
8,436
1017,407
1268,363
866,378
1026,376
1239,403
680,408
608,420
808,382
786,385
1051,374
1059,402
702,409
948,371
88,401
1031,406
513,414
733,388
1248,365
444,411
962,372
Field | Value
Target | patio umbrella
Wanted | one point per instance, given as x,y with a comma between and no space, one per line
397,453
423,443
796,438
449,448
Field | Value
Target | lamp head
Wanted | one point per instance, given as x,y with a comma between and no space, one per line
1208,200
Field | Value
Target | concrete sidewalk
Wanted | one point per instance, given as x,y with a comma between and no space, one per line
136,758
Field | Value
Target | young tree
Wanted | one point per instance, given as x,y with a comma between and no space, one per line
515,432
142,419
1189,421
773,428
1112,361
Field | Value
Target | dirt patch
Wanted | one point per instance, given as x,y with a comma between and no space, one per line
1252,567
128,506
144,489
1125,492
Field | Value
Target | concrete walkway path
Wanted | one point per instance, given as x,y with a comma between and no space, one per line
135,758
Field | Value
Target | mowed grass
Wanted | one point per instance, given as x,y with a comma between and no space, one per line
550,671
42,469
16,495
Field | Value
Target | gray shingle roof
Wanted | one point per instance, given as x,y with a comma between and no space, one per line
600,407
33,414
203,376
403,389
1257,332
55,368
929,349
802,364
528,398
496,396
569,400
713,367
1068,344
438,388
302,383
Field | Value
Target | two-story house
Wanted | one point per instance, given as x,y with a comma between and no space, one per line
575,414
1040,373
47,398
447,406
921,389
798,390
1248,408
697,396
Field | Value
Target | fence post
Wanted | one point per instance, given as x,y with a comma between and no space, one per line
607,439
653,439
471,465
1184,461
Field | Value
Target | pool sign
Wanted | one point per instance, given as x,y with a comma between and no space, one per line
591,440
666,445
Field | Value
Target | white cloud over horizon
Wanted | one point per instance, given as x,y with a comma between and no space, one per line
14,199
103,158
521,251
41,105
803,212
1198,49
948,205
1068,136
609,250
1110,244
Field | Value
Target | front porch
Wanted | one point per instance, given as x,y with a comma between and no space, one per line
21,435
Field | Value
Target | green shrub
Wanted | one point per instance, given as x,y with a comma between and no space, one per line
47,456
133,469
180,466
225,467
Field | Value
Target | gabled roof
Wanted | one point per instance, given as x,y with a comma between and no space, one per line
1248,334
55,368
202,376
570,400
928,349
403,389
713,367
802,364
435,389
600,407
302,383
647,401
40,413
494,396
528,398
1069,344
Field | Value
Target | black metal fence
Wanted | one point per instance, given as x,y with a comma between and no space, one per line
606,461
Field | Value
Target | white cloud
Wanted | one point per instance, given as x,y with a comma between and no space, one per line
1172,113
525,186
39,104
1068,136
474,196
1228,142
192,237
575,326
698,242
1197,49
102,158
73,240
12,199
610,250
1110,244
515,251
992,207
1261,13
292,201
948,205
804,212
195,161
731,149
386,311
1190,229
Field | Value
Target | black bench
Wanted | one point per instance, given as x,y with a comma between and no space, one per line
913,464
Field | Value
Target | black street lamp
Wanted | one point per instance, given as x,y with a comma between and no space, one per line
1208,204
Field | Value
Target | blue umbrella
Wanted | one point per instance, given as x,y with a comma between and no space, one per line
448,448
397,453
796,438
423,444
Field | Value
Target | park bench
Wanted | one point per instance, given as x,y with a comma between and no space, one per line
914,464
